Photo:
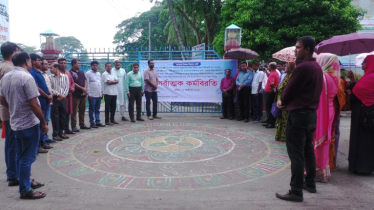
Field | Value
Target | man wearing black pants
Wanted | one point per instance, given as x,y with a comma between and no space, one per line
244,83
227,86
110,81
269,94
134,88
256,92
150,89
301,100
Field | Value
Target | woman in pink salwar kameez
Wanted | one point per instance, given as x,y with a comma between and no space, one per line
325,114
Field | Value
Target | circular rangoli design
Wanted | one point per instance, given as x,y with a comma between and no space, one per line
169,156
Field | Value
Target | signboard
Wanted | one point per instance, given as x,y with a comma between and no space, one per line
199,55
191,81
4,21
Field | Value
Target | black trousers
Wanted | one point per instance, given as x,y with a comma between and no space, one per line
67,122
244,95
135,95
257,106
148,97
58,114
227,104
301,124
269,100
110,107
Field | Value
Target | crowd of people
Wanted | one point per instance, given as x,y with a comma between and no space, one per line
30,98
303,101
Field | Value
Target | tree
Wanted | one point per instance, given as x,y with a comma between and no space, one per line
174,21
28,49
133,32
69,44
269,29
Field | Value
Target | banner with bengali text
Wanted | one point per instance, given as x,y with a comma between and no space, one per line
191,81
4,21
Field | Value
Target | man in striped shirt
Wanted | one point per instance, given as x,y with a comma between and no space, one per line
60,89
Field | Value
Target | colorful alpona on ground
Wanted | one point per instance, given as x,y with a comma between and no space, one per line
169,156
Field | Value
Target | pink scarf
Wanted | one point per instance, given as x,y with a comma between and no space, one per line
364,88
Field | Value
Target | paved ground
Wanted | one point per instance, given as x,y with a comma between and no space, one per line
184,161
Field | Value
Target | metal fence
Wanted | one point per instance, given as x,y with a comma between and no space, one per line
128,57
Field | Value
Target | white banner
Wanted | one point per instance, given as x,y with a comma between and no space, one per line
191,81
4,21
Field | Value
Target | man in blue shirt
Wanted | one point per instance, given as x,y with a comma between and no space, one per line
244,84
45,97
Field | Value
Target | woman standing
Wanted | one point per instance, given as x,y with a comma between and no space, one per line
361,145
325,114
280,134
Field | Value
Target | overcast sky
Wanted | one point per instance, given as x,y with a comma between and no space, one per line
93,22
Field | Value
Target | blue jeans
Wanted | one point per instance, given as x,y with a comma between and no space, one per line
94,107
27,141
41,135
47,118
10,152
148,97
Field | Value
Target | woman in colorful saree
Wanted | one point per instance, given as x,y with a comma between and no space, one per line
280,134
325,114
361,145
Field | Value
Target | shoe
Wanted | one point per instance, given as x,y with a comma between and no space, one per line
69,132
100,125
139,119
270,126
42,150
63,136
246,120
47,146
222,117
124,119
75,129
114,122
150,118
50,141
157,117
231,118
109,123
132,120
265,124
290,197
84,127
309,189
93,126
13,182
239,119
57,138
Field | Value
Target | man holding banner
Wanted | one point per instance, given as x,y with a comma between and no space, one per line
150,90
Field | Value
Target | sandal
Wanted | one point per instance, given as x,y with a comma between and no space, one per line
41,150
33,195
35,184
47,147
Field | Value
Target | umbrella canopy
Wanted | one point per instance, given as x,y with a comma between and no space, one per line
347,44
241,54
288,54
360,58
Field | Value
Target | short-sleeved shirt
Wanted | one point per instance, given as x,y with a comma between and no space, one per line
273,78
111,90
257,78
150,75
5,67
42,84
79,78
18,87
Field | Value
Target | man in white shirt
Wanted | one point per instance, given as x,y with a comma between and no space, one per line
256,92
110,81
283,73
95,94
120,73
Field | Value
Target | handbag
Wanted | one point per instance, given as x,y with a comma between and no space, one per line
275,111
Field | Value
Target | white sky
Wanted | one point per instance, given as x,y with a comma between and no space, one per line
93,22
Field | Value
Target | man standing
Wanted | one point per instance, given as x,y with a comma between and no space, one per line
283,73
150,90
69,97
110,94
227,87
301,100
270,89
60,89
256,92
19,90
10,146
79,95
244,83
43,69
95,94
45,97
120,73
134,88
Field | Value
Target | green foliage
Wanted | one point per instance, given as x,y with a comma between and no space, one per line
134,32
28,49
69,44
268,29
